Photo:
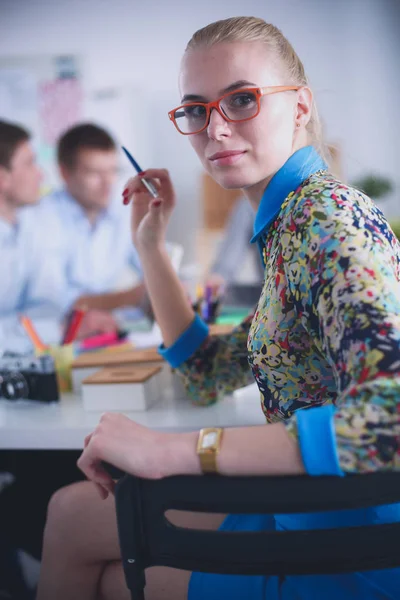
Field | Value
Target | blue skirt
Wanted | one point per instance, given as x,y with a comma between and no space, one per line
370,585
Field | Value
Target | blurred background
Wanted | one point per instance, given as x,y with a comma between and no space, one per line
121,59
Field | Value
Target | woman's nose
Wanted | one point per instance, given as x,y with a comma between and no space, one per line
218,127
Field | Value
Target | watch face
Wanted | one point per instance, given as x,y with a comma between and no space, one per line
210,439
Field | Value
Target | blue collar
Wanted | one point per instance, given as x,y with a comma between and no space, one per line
297,168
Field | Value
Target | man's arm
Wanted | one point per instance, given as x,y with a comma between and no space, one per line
134,296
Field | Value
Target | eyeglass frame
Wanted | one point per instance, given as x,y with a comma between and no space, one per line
258,91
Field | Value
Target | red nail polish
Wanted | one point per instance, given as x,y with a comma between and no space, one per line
142,174
157,202
126,190
125,200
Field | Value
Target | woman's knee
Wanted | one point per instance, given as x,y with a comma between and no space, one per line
63,503
82,523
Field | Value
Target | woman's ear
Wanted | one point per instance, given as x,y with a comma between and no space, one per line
303,106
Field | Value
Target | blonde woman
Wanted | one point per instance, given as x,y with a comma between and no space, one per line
322,345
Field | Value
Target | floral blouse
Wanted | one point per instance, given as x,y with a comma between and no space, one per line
326,331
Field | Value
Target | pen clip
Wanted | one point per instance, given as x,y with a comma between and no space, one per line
150,187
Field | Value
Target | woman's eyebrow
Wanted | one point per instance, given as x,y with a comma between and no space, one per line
231,88
193,98
237,85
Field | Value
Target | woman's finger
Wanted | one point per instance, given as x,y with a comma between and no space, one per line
135,185
103,492
156,206
129,184
141,197
89,463
155,213
162,175
111,487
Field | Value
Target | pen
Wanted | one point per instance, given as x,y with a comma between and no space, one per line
150,187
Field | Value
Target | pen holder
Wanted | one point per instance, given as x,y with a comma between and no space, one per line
63,357
214,311
208,313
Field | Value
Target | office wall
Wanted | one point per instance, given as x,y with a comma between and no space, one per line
349,47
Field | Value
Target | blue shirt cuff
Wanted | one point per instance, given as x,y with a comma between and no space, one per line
317,439
186,344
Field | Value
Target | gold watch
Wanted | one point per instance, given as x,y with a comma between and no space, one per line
208,447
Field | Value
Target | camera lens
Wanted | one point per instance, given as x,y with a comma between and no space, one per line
14,386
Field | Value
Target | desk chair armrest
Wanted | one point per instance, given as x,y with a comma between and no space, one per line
147,537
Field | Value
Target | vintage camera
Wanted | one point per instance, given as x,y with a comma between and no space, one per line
28,377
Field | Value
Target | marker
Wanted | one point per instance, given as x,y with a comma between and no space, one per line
33,336
207,304
67,326
74,324
104,339
147,184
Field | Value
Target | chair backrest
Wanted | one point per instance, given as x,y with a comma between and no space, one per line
148,538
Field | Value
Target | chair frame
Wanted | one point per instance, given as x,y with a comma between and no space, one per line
148,538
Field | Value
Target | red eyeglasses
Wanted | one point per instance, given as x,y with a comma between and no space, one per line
240,105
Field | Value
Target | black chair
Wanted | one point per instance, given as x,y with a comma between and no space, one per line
148,538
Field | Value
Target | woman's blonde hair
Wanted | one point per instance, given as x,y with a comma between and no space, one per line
253,29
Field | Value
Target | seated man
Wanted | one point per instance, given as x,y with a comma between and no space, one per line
30,279
95,226
235,247
31,266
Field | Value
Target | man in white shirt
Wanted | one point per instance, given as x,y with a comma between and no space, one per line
235,247
19,187
30,281
98,246
32,264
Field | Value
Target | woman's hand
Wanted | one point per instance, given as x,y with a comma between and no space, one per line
134,449
150,215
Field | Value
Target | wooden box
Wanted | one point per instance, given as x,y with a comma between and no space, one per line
122,388
87,364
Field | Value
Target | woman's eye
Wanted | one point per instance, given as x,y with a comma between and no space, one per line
195,112
242,100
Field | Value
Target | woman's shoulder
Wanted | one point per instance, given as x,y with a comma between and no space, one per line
325,208
325,198
324,189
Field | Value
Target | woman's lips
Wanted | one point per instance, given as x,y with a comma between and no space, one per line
223,159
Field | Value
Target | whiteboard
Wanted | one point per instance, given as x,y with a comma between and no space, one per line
48,94
45,95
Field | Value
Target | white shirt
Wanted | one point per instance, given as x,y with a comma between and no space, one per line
96,255
32,280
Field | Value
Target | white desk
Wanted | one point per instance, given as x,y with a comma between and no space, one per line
63,425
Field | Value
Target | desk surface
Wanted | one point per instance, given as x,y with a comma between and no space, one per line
64,425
